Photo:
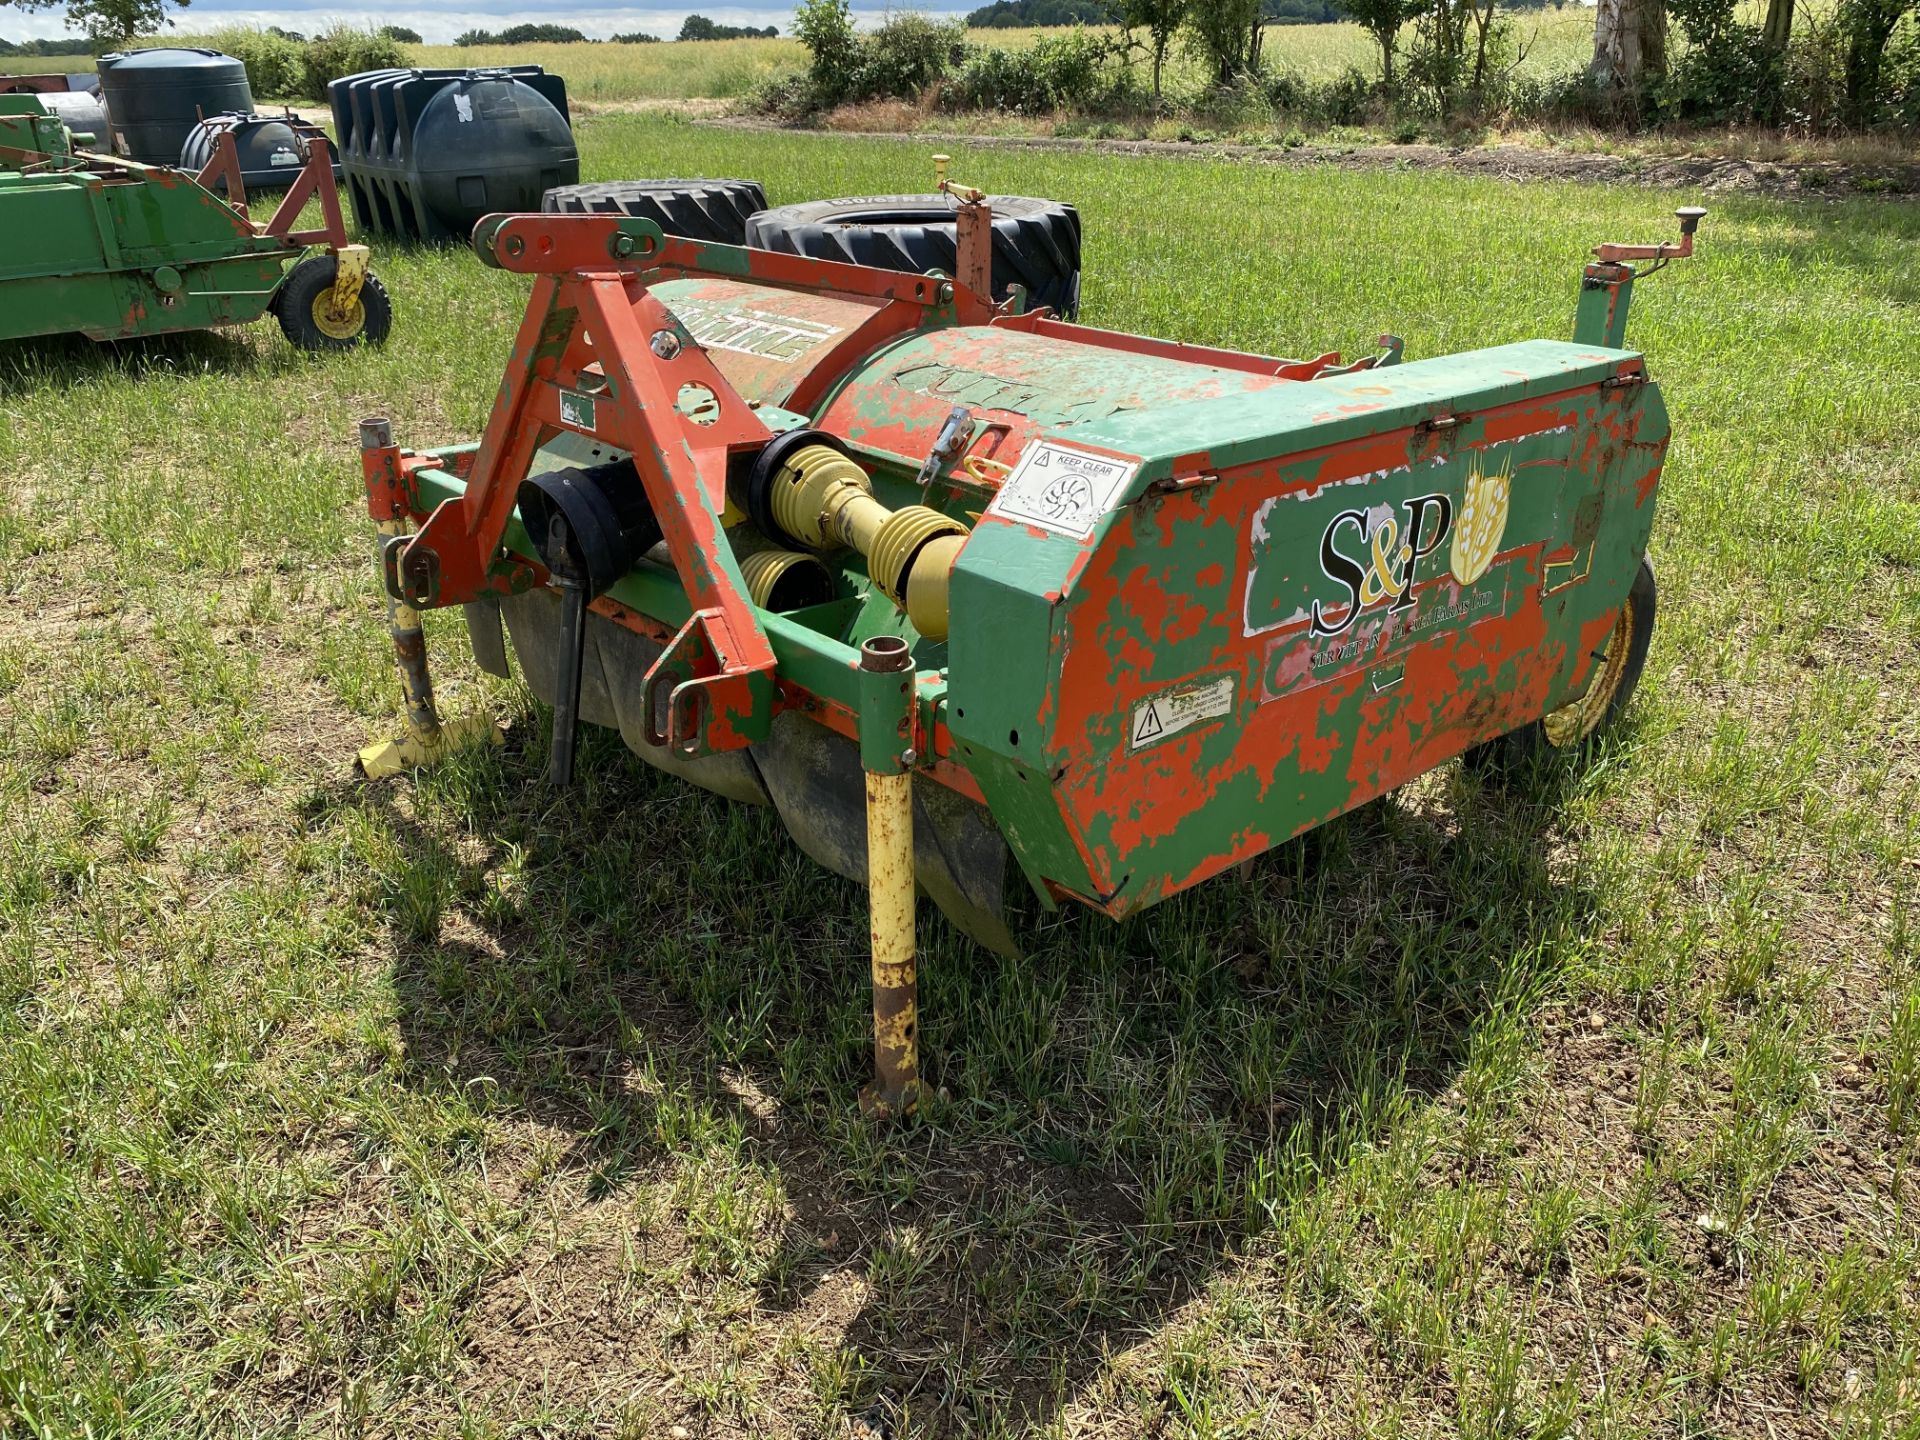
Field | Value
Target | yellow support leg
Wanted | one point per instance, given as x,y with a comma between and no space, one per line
891,892
895,1091
427,741
351,263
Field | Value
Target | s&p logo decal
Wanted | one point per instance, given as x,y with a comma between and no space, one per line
1372,555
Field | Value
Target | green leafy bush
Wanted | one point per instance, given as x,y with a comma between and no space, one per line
1350,98
908,53
1901,74
275,66
1069,71
825,27
1727,72
344,50
281,68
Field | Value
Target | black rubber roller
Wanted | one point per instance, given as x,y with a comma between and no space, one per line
611,524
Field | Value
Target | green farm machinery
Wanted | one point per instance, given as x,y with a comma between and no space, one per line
983,603
112,249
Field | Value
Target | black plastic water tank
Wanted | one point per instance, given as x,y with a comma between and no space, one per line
154,97
426,153
82,113
271,155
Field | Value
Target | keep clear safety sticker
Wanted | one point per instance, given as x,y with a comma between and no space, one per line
1062,489
1172,711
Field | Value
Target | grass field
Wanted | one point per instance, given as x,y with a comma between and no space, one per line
449,1107
696,70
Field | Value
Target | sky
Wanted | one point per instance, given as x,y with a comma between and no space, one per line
438,21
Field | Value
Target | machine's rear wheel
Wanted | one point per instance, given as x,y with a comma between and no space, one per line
1575,726
1036,243
304,306
715,210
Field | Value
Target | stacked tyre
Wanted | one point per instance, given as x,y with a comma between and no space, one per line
712,210
1036,243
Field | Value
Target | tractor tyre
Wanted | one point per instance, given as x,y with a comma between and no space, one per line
1576,726
713,210
1036,243
304,307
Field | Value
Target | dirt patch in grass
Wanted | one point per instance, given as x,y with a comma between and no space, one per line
1812,179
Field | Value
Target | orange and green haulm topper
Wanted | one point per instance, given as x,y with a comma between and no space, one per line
985,603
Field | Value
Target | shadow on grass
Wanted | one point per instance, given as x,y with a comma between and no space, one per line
40,362
1868,239
661,974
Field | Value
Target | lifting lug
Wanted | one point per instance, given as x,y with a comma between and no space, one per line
412,571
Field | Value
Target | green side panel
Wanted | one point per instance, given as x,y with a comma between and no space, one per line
1165,680
79,256
1003,660
47,227
54,273
172,221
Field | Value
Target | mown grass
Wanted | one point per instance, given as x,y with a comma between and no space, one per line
450,1106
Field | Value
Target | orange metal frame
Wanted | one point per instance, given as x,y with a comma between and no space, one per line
315,180
598,354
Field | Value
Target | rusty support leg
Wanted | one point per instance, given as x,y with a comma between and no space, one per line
895,1091
426,740
410,656
973,247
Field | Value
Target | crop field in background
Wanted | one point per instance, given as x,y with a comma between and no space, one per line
452,1106
694,70
1555,41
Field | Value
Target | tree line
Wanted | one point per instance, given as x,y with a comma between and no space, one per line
694,27
1044,14
1854,64
79,45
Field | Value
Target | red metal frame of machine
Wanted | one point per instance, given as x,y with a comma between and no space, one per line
315,181
594,274
594,280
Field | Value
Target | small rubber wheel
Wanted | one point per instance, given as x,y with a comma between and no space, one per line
1576,725
304,306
